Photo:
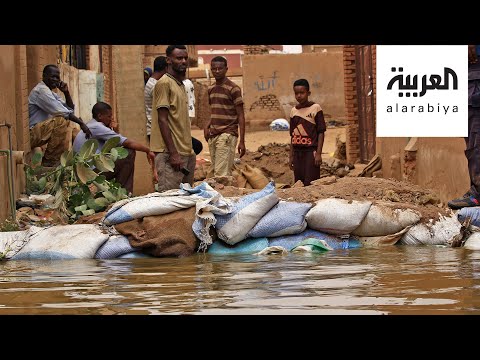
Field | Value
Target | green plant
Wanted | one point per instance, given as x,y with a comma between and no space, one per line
77,183
9,225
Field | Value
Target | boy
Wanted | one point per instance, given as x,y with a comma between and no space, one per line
221,132
99,127
307,129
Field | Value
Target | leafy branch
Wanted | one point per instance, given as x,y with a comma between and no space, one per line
77,183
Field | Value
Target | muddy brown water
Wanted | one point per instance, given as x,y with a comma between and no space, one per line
393,280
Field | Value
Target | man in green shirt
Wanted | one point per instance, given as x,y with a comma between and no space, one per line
171,137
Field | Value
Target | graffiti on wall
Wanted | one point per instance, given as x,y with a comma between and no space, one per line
263,84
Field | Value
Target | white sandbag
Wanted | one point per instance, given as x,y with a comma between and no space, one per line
473,242
384,219
64,242
432,233
148,205
337,216
285,218
11,242
247,211
279,125
387,240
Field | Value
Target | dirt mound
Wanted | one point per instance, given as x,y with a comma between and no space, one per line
272,159
400,194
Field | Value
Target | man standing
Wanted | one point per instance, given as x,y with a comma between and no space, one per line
171,137
472,152
190,89
49,116
159,69
100,129
147,72
221,132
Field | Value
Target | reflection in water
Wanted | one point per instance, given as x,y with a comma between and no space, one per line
395,280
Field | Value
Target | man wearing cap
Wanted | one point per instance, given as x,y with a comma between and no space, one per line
147,72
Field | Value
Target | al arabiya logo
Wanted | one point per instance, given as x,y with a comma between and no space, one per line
408,87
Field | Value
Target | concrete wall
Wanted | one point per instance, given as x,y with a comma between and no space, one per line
268,84
7,116
130,107
440,164
87,93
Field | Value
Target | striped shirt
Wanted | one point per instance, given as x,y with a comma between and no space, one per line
44,104
222,99
148,94
306,123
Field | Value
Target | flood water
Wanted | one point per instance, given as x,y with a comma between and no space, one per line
393,280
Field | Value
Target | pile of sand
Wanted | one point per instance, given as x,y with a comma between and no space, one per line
272,159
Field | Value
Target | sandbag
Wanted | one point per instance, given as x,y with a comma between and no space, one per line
64,242
168,235
384,219
312,245
255,177
473,241
386,240
285,218
337,216
432,233
279,125
11,242
248,246
148,205
247,211
114,247
473,212
291,241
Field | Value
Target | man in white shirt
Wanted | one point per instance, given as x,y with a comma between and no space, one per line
49,115
196,144
159,69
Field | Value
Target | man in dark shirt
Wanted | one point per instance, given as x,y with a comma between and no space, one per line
221,132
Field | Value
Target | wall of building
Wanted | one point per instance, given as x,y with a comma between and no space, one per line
351,103
38,56
13,111
130,112
268,85
438,164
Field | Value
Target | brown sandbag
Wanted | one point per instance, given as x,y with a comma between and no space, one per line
255,177
163,235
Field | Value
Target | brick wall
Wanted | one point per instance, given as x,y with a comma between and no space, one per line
351,104
202,108
108,81
21,104
267,102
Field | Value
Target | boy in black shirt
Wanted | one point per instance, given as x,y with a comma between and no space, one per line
307,130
